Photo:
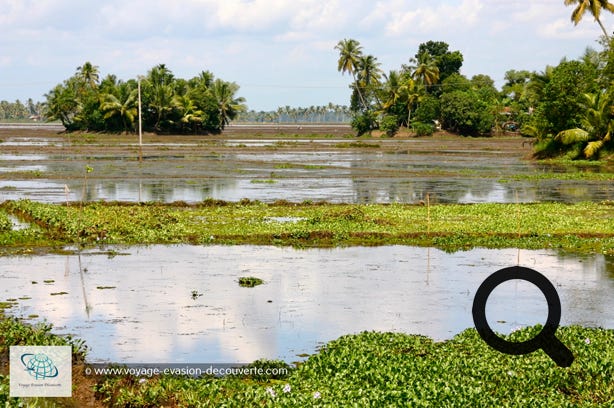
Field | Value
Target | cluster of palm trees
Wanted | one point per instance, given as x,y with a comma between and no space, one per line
376,94
203,104
330,113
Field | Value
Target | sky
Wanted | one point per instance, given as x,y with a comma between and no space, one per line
280,52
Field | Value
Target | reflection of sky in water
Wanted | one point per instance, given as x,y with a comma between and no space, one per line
337,175
332,189
315,296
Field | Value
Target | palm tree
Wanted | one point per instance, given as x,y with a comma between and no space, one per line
412,95
350,52
594,7
62,105
426,69
392,90
597,125
368,70
123,108
228,104
191,116
89,74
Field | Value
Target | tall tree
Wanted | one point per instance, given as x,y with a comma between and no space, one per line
228,104
123,107
369,72
448,62
350,52
593,7
426,69
89,74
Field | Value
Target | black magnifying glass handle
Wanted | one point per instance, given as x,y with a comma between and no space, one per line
557,351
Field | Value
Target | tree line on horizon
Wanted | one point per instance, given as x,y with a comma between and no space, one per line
200,105
330,113
21,111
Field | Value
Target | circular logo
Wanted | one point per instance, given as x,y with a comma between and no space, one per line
39,366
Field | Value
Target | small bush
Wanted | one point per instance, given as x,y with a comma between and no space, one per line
423,129
390,125
363,123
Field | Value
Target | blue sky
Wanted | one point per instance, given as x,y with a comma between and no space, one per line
281,52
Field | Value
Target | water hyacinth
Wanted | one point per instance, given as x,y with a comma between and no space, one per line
317,395
271,391
287,388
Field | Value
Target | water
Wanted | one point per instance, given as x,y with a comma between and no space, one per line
294,169
137,306
353,177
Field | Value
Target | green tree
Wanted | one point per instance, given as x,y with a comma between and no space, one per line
228,104
448,62
596,129
89,74
62,104
593,7
560,105
425,69
122,107
350,52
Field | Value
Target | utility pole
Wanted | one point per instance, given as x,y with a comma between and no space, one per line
140,123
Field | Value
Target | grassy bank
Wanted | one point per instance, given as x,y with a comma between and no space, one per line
583,227
366,369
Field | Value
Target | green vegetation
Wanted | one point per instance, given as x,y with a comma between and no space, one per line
569,108
199,105
394,369
583,227
14,332
250,281
368,369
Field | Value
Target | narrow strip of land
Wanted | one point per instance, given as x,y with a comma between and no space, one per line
583,227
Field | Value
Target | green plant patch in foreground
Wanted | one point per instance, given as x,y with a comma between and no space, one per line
582,227
394,369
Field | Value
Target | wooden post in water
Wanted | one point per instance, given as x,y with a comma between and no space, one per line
428,215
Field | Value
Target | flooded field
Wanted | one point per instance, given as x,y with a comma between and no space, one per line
291,167
183,303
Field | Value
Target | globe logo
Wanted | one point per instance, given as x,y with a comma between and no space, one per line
39,366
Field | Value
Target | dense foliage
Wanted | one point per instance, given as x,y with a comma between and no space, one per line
376,369
569,108
203,104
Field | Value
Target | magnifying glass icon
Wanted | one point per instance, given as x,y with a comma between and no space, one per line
545,340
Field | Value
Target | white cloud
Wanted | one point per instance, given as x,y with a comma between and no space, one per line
276,41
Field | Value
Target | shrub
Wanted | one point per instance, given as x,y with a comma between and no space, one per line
423,129
363,123
390,125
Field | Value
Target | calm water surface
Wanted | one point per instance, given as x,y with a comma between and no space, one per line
138,306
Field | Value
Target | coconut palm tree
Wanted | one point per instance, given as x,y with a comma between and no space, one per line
350,52
426,69
89,74
125,108
593,7
228,104
191,116
597,125
368,70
